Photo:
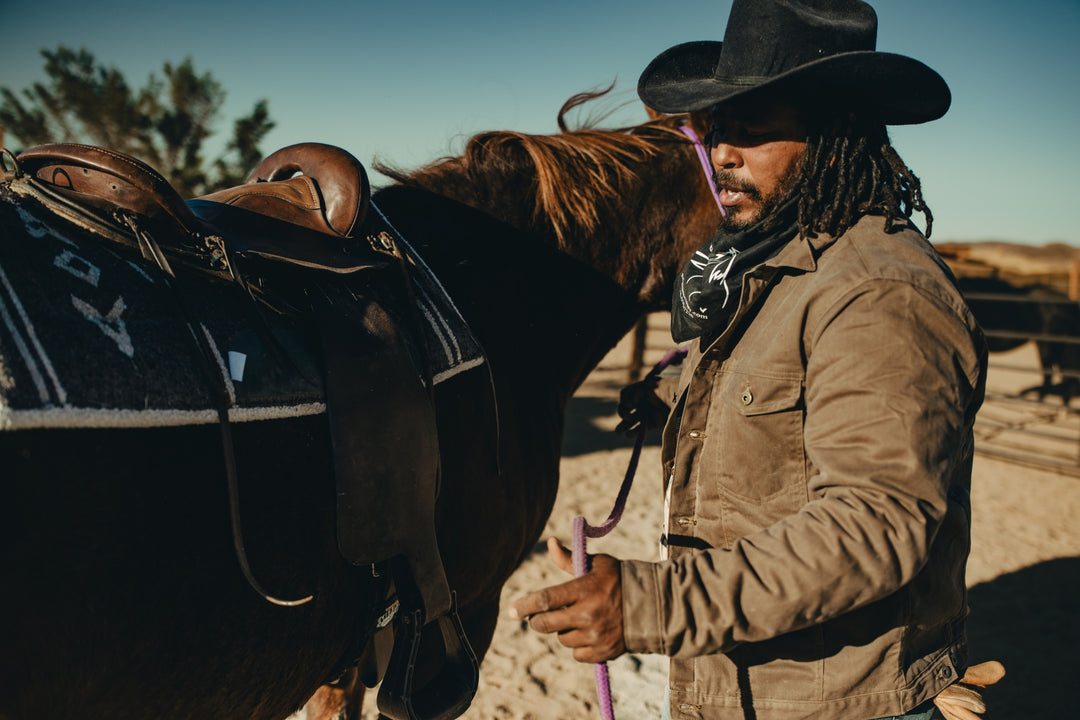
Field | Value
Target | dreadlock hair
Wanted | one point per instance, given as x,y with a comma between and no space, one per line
850,169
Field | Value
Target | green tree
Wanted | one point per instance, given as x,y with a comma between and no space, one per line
164,123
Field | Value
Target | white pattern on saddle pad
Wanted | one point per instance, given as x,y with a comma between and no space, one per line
453,347
86,341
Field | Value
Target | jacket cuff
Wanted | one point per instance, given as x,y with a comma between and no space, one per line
641,606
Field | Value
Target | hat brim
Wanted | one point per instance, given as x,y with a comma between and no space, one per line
902,90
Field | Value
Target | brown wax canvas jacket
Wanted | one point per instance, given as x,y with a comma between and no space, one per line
818,467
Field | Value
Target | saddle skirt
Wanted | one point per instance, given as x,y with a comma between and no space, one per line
89,335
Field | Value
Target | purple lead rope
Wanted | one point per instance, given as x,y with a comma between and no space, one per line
706,164
583,530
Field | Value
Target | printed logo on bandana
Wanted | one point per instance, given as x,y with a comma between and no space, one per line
715,269
709,286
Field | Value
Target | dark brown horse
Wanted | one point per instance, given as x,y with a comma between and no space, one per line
1013,314
122,596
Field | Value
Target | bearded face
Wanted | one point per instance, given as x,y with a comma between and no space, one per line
757,149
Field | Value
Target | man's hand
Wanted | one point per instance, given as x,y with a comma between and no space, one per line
586,612
639,406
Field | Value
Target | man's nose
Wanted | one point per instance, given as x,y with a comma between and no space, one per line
724,155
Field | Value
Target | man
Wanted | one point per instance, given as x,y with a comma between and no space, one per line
818,457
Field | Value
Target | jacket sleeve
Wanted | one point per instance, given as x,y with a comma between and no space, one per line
893,380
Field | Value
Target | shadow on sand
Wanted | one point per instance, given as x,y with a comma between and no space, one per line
587,423
1029,621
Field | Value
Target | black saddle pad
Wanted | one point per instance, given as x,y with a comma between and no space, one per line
90,336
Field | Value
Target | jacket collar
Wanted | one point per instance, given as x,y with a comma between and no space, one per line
802,252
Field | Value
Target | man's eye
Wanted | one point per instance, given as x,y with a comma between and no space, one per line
714,136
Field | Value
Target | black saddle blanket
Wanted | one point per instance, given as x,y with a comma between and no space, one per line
90,336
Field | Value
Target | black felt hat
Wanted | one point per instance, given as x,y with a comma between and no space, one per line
813,49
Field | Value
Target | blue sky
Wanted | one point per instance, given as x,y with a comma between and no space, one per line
407,80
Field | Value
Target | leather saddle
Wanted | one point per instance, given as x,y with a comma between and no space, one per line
304,210
297,206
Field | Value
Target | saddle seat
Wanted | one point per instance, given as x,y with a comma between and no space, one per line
305,206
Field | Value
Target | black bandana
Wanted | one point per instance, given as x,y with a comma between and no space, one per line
707,289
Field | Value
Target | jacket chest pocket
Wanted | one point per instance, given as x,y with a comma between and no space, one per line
755,431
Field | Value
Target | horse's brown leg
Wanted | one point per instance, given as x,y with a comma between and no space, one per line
326,704
343,700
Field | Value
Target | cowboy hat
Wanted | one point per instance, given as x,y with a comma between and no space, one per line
820,49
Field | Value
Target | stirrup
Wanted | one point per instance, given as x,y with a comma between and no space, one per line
449,693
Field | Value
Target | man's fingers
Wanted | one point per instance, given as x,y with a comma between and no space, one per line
528,605
573,628
543,601
585,612
560,621
592,655
592,646
562,557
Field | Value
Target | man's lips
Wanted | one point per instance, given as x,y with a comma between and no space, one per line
731,197
732,192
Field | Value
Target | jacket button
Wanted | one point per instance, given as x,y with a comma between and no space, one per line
747,397
944,672
695,434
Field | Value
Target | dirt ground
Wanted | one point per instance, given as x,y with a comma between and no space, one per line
1023,574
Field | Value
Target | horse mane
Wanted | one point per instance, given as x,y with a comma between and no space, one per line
576,176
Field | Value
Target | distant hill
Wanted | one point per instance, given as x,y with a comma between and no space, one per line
1054,264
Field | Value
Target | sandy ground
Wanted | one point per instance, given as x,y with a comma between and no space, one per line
1023,574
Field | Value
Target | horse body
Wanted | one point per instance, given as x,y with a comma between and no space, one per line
123,598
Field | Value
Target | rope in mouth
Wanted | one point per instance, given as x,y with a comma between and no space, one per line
706,164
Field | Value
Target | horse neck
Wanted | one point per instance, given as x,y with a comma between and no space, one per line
532,307
560,302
